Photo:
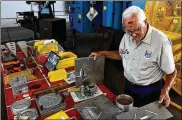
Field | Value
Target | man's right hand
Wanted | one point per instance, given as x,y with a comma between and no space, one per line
95,55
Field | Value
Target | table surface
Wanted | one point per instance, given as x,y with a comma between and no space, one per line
42,78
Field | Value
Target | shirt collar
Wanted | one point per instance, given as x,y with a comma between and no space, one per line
148,37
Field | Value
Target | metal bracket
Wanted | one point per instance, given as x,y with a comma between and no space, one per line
12,47
19,85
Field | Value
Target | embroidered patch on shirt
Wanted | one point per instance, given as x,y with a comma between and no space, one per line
148,54
126,51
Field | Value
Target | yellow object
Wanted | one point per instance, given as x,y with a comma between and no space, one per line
174,37
179,70
39,47
39,42
176,48
61,115
176,105
26,73
57,75
67,60
47,48
177,56
74,89
21,117
164,15
79,16
105,8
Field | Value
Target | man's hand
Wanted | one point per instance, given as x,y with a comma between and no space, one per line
108,54
164,97
95,55
169,82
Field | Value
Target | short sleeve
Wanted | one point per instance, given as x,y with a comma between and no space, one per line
166,61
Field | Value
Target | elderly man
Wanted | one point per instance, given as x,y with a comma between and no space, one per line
147,55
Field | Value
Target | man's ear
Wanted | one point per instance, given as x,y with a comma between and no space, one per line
146,21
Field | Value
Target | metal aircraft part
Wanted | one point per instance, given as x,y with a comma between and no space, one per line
12,47
19,85
50,103
23,46
153,110
97,108
89,71
31,113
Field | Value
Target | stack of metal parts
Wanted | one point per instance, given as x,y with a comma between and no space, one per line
21,109
30,113
89,71
151,111
99,107
19,85
50,103
20,105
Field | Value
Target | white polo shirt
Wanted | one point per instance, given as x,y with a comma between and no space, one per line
146,63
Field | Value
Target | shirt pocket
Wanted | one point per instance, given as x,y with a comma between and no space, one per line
145,64
125,60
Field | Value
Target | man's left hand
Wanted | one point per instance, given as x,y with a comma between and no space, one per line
164,97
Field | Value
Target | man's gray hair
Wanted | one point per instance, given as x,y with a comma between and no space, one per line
134,10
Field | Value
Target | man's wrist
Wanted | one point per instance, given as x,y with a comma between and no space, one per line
101,53
166,89
170,81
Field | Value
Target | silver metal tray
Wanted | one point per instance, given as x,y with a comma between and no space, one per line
99,107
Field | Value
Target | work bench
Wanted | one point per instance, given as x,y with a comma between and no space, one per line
36,64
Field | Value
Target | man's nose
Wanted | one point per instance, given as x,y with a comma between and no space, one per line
133,35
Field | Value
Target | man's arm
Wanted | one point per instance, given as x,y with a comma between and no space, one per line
108,54
169,82
170,79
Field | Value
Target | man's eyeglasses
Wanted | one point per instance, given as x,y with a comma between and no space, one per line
136,31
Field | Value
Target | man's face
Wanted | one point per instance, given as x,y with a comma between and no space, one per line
133,28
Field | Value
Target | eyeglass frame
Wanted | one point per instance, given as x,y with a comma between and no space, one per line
138,30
